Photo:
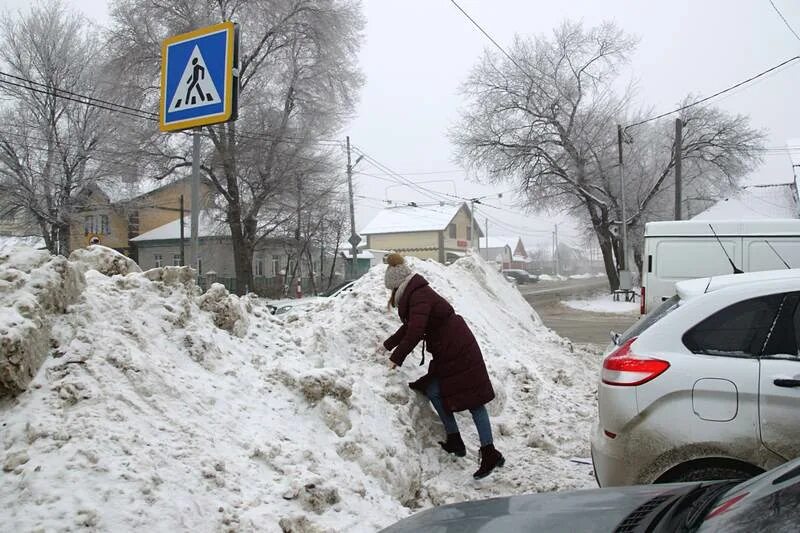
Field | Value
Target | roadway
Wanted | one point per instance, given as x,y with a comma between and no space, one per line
581,327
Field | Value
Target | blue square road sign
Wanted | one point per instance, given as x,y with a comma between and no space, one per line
198,86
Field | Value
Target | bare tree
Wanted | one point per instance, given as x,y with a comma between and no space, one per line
298,80
547,122
50,144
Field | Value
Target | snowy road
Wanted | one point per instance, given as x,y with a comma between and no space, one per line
549,292
584,327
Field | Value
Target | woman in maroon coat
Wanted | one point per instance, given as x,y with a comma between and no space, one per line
457,379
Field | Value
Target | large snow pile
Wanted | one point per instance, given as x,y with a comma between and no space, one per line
33,286
150,417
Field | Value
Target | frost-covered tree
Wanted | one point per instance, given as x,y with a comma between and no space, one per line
298,82
50,145
546,122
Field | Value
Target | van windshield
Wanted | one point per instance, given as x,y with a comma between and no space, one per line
666,307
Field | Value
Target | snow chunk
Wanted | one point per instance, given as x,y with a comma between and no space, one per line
103,259
33,284
230,313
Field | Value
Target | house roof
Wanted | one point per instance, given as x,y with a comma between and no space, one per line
208,227
755,202
412,219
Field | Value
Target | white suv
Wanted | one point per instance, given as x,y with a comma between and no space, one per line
705,387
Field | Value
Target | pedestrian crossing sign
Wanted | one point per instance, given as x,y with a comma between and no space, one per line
199,85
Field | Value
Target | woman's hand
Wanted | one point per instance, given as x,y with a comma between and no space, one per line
392,366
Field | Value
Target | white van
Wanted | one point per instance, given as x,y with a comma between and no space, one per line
687,249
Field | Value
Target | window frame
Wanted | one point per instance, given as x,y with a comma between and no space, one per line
158,260
105,228
88,225
698,350
452,231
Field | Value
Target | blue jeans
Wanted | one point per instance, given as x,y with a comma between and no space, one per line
479,415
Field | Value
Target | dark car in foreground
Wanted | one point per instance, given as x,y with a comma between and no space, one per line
769,502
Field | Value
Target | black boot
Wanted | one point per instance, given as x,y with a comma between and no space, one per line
490,459
454,444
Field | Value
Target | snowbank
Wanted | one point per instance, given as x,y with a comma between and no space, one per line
149,417
604,303
33,286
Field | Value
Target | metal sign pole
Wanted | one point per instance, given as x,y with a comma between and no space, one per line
195,208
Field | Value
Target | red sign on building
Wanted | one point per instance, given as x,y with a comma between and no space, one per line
462,244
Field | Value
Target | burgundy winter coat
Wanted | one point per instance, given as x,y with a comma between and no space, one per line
457,359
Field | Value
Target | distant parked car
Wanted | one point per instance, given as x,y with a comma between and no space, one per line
770,502
707,386
345,286
284,306
521,276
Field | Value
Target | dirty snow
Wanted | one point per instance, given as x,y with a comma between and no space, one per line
147,416
603,302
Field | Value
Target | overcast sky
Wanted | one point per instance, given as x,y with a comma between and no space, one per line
416,53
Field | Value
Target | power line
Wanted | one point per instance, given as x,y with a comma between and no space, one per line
106,102
433,195
138,113
56,94
424,173
778,11
715,95
475,23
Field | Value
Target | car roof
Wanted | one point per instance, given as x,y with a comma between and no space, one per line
695,287
699,228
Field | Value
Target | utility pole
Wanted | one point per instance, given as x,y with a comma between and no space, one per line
183,251
622,201
558,262
486,236
354,238
678,170
471,229
194,254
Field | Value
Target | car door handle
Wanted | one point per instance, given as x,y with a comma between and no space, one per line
787,382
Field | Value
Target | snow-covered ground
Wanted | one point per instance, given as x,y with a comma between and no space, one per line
148,416
603,302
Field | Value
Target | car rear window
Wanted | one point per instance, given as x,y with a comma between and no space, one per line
741,329
666,307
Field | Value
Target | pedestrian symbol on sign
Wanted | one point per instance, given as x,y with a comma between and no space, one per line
196,88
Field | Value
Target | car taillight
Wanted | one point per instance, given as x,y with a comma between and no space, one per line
624,368
641,302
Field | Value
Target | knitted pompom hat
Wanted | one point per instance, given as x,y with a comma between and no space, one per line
397,270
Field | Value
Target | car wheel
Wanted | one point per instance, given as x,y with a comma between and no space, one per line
710,473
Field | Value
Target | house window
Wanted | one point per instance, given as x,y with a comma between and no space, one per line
104,229
176,260
276,266
259,270
469,234
452,229
88,225
159,260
